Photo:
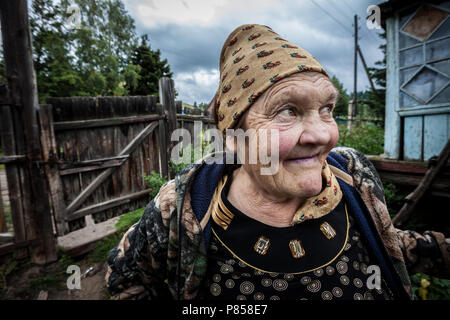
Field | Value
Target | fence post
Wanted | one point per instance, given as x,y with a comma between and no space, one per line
350,114
21,77
49,152
167,100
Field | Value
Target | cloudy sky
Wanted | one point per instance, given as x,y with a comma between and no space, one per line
190,35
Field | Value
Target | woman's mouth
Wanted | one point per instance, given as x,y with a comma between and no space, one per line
304,160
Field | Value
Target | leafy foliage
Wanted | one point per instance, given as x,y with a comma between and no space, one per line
155,182
341,108
364,138
93,60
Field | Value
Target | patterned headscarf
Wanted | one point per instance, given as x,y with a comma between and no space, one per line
253,58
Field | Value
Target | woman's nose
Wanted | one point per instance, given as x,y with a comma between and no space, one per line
314,132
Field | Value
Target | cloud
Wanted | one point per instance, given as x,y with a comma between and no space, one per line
199,86
190,35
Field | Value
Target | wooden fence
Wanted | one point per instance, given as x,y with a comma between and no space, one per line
95,153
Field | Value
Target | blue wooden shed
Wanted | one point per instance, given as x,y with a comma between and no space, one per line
417,121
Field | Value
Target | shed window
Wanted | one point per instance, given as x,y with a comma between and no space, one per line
424,55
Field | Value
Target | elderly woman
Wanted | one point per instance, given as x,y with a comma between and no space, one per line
316,228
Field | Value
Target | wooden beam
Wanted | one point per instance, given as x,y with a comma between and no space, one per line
12,174
3,226
19,70
49,152
108,204
97,123
413,198
86,163
76,203
78,169
12,159
189,117
167,99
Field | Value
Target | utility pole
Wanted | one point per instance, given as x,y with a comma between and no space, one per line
355,68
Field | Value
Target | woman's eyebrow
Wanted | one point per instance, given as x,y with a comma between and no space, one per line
332,96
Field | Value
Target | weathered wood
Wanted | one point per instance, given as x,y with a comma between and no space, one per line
6,237
413,138
21,77
86,163
163,154
440,184
435,134
3,226
105,174
105,165
167,99
49,153
14,246
189,117
98,123
413,198
108,204
12,159
12,174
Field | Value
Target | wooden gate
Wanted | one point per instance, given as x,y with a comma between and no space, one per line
97,151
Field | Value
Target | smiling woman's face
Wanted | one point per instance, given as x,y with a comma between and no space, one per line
300,108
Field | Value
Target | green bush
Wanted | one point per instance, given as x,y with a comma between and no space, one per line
155,182
364,138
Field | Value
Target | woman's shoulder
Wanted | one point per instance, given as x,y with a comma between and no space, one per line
362,170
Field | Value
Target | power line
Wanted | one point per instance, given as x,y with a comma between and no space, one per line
331,16
348,6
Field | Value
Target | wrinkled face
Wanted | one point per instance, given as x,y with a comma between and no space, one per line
300,108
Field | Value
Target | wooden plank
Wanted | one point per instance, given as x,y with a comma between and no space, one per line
18,58
6,237
440,184
413,131
108,122
167,99
435,135
413,198
188,117
105,174
86,163
49,153
12,173
12,159
108,204
108,164
3,226
392,118
163,153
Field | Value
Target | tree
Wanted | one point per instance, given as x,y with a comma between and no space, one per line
341,108
52,60
91,60
149,67
377,99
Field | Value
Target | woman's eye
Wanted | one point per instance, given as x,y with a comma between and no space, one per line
326,110
287,112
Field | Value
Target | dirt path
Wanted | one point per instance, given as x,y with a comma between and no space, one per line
92,286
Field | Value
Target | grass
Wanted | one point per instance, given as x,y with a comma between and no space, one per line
102,248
